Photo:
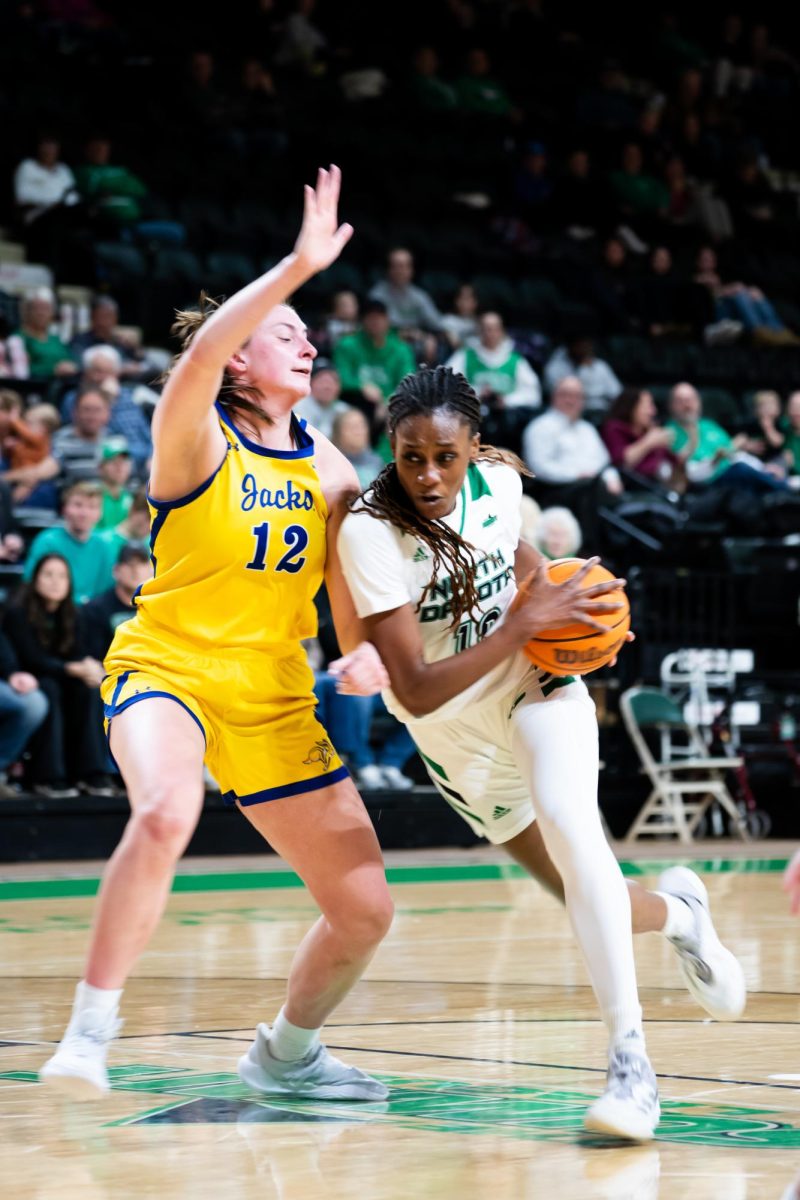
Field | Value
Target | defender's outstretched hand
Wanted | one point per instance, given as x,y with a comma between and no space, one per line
321,238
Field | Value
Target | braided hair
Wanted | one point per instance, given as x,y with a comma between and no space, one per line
429,390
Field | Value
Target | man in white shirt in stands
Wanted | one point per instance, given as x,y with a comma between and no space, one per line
43,181
569,460
561,448
46,198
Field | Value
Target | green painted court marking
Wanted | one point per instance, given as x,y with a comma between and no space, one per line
245,881
517,1111
233,914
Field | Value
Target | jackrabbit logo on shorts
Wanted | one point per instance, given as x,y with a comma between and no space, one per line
320,752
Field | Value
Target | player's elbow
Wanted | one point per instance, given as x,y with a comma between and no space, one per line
416,700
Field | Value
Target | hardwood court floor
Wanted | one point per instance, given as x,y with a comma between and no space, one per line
476,1010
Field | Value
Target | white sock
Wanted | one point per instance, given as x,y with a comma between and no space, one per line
289,1042
680,918
102,1000
629,1039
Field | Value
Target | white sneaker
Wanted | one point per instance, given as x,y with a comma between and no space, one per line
712,974
629,1107
370,778
78,1067
722,333
318,1074
393,777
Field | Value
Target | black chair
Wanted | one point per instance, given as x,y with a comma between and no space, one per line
228,271
119,264
175,265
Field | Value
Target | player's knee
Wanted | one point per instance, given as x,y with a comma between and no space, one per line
382,917
575,849
167,818
365,921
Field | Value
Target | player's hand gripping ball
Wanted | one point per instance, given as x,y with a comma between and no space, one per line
577,649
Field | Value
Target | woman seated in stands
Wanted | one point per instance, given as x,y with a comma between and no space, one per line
765,438
460,322
43,625
637,441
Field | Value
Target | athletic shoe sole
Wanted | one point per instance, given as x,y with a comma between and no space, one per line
616,1120
76,1087
251,1074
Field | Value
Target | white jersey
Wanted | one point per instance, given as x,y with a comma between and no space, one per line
386,568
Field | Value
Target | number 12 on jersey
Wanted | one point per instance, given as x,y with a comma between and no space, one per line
295,537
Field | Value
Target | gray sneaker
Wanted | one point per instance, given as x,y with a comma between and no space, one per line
712,974
317,1075
629,1107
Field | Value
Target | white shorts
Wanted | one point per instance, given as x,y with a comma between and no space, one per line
471,762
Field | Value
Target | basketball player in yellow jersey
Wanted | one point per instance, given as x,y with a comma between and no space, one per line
246,504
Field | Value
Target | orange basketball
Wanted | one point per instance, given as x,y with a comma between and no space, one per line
578,649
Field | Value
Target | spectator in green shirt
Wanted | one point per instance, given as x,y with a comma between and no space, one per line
47,354
112,193
710,453
134,530
701,443
478,91
642,200
791,427
76,541
115,471
372,362
426,89
637,192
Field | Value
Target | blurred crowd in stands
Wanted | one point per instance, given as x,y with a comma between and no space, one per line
595,220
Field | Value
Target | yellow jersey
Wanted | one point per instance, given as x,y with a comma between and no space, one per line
239,560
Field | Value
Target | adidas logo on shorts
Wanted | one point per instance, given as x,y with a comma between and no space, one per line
498,811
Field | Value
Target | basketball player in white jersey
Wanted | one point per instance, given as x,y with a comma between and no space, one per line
431,553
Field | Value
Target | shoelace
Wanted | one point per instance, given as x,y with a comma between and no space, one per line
306,1066
85,1044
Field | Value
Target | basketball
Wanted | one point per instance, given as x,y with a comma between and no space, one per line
578,649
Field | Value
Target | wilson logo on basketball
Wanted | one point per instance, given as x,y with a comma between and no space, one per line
568,657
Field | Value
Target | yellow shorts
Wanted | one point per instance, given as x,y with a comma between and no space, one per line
256,711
